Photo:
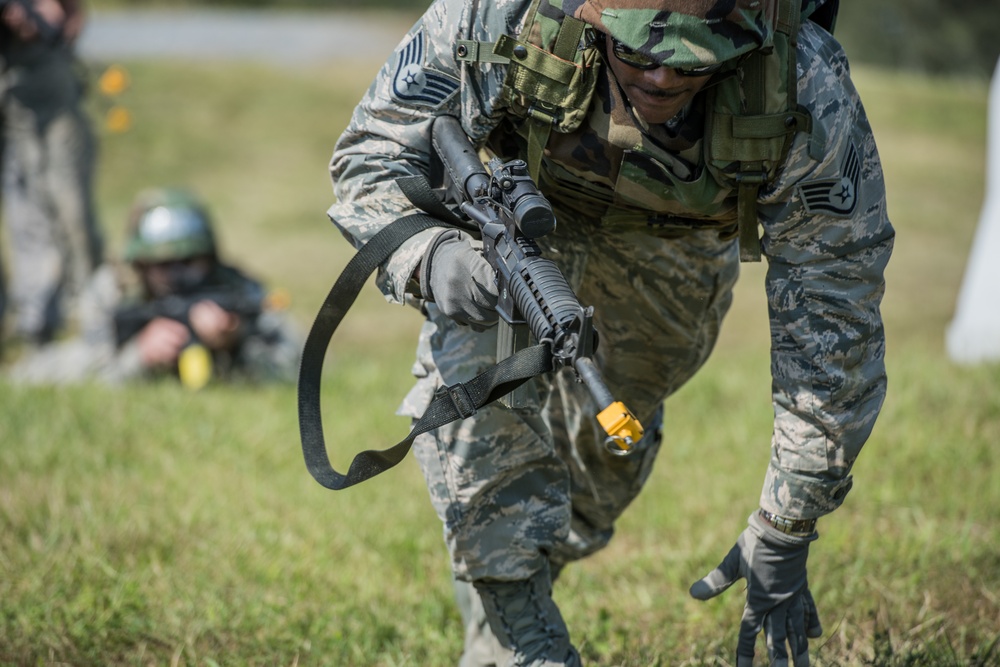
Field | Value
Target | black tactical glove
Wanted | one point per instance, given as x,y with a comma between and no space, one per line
778,598
456,277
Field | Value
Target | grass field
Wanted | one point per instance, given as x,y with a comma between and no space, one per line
153,526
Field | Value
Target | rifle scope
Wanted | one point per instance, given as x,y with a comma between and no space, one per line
531,210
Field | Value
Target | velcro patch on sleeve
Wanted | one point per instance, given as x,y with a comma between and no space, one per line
416,84
835,196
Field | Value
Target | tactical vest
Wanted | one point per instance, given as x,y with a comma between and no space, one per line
550,82
751,114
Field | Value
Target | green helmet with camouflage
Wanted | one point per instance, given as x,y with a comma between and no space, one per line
167,224
679,33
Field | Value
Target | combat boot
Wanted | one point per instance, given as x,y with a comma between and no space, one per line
526,622
480,647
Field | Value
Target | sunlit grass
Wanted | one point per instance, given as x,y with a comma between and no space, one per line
157,526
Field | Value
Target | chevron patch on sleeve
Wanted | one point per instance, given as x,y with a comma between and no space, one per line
415,84
835,196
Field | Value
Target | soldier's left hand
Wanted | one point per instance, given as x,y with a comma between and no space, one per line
216,328
455,276
778,598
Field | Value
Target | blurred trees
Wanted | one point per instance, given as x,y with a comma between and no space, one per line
933,36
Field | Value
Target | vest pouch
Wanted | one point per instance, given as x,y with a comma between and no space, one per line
762,138
546,88
552,70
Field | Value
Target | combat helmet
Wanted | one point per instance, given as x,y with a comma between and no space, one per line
683,34
168,224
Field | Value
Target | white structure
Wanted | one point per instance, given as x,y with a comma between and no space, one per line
974,334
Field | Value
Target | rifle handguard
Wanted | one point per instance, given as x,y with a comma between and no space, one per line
623,429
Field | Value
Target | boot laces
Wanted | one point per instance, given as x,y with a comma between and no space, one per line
531,621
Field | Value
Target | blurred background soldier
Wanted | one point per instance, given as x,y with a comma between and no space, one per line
48,152
175,309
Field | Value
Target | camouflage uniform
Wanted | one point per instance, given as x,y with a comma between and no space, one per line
269,351
48,158
517,490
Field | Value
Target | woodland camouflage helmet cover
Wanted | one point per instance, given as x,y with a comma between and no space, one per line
679,33
168,224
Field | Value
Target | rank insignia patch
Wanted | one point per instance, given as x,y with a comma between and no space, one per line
415,84
835,196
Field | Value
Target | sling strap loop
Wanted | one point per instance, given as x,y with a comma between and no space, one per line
749,183
450,403
471,51
421,195
568,40
338,301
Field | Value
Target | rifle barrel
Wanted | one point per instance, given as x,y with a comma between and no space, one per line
591,377
459,157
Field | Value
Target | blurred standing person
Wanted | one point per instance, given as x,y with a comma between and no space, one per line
48,155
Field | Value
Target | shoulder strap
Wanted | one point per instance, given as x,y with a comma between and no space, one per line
541,122
450,403
749,135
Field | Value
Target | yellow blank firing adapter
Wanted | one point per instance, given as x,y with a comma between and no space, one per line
623,429
194,366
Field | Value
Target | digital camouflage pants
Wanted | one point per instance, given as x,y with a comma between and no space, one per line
515,488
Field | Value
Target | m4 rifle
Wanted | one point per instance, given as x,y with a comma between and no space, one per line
534,296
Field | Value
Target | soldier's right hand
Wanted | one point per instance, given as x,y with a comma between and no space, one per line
161,341
456,277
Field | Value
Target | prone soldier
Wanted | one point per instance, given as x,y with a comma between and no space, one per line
176,309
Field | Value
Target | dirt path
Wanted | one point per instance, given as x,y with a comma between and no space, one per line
282,37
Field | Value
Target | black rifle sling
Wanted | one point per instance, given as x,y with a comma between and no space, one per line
450,403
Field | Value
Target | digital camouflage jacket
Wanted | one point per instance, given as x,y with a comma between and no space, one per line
826,234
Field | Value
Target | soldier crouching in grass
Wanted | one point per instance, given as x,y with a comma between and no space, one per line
663,132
